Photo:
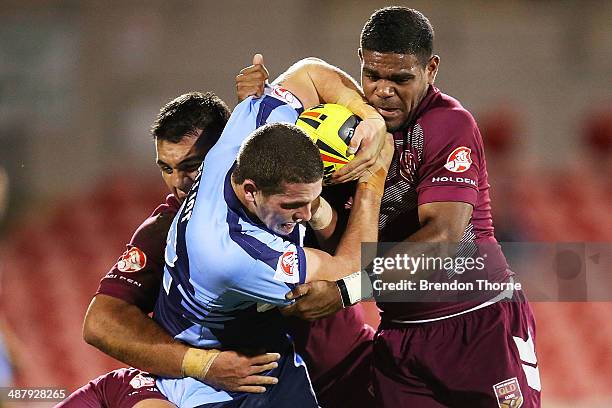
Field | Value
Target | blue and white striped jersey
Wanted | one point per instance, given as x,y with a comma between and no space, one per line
224,270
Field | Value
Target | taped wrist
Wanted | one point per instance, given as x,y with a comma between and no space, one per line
322,217
354,288
197,362
375,181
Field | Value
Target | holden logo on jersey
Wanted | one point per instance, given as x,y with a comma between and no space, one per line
508,393
459,160
132,260
142,381
287,269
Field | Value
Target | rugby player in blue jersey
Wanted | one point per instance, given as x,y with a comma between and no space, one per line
234,248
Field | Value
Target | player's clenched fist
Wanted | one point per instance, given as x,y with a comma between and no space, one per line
252,79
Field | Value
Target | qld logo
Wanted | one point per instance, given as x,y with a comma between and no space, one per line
142,381
508,393
132,260
459,160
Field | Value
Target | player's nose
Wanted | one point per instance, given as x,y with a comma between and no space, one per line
304,213
182,181
384,89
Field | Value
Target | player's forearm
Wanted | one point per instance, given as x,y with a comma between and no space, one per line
336,86
362,227
124,332
315,81
442,227
323,223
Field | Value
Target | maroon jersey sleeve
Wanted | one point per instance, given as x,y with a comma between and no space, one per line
452,157
136,276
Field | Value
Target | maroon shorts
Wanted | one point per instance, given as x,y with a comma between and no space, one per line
121,388
484,358
338,354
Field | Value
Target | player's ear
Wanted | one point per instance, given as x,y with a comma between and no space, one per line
432,69
250,190
360,54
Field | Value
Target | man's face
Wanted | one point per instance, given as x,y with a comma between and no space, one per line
179,163
395,84
281,212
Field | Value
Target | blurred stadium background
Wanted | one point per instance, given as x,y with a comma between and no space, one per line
80,83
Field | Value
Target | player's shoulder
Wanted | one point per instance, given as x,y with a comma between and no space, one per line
446,112
155,228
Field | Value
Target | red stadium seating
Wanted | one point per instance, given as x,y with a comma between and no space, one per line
53,262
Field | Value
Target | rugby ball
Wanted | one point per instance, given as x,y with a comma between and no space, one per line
331,127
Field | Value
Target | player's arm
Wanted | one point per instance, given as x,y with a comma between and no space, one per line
442,222
362,226
323,223
124,332
314,81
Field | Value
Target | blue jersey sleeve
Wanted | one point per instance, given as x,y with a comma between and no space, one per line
276,266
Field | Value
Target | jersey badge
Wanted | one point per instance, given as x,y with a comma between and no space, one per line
508,393
287,269
459,160
142,381
132,260
284,95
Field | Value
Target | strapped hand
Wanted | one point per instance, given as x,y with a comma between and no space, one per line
230,370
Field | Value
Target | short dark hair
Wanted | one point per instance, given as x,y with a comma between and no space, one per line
399,30
278,153
187,114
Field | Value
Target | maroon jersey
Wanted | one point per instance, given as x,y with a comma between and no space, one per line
439,158
137,275
122,388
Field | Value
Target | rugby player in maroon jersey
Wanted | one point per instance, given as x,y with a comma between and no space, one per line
479,351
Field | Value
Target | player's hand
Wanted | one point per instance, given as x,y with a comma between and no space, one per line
382,161
368,141
315,300
233,371
252,79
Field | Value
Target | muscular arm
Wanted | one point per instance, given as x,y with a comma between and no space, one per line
442,222
122,331
362,226
314,81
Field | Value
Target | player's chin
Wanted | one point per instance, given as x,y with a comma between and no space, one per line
395,123
285,228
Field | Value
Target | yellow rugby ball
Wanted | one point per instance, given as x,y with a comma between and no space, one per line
331,127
